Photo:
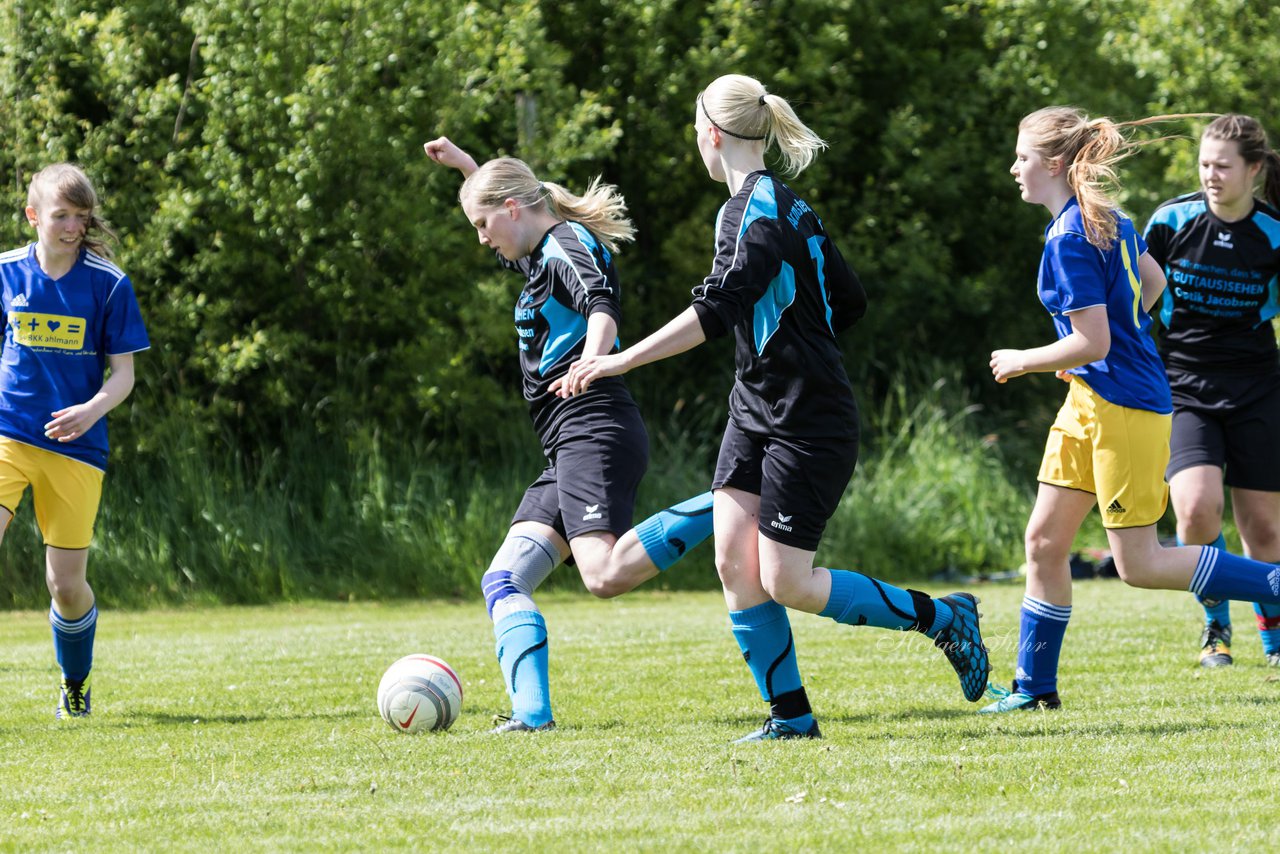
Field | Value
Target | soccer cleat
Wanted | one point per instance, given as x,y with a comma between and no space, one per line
73,699
1273,659
1016,701
961,642
1215,645
774,729
504,724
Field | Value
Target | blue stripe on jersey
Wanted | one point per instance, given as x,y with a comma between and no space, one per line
777,298
1272,306
1177,215
565,328
1269,226
589,240
815,252
763,203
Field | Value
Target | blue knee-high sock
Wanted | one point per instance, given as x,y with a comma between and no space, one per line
668,534
73,643
1039,644
764,636
1222,575
522,657
859,600
1218,610
1268,626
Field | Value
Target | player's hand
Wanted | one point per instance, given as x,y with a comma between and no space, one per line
1065,376
587,370
71,423
1006,364
443,151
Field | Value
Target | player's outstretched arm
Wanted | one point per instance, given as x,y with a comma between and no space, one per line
443,151
683,332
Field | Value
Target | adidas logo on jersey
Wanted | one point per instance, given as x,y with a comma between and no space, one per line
20,301
781,523
1115,507
1224,240
593,512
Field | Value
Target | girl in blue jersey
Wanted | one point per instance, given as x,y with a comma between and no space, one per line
1110,441
1220,248
781,287
596,446
70,319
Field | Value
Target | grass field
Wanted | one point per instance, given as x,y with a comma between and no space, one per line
254,729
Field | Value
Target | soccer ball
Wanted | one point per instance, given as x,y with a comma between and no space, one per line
419,693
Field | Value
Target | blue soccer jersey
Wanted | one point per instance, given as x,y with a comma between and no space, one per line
782,287
58,334
1074,275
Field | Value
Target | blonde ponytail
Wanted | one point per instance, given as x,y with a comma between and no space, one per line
602,209
740,107
1089,149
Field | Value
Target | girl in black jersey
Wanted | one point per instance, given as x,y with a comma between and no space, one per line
782,288
1220,249
596,446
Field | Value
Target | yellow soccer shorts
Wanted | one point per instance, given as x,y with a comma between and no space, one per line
1115,452
65,492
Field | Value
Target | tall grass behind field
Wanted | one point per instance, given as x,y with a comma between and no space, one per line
383,517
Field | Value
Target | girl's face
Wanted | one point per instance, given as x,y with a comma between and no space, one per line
499,228
708,145
1034,176
60,226
1225,176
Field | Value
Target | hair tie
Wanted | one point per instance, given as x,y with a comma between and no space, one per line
703,105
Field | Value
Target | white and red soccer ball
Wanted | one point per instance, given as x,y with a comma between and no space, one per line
419,693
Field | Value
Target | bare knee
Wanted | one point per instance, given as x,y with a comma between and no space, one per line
1045,550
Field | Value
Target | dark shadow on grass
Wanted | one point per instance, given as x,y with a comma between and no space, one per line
168,718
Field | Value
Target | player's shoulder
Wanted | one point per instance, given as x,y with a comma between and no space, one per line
1177,212
1267,218
14,256
755,204
102,267
1067,226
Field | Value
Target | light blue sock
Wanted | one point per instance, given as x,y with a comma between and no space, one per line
764,636
1222,575
859,600
522,657
1268,626
73,643
669,534
1039,645
1218,610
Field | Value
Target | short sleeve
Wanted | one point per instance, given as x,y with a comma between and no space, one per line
1077,270
123,329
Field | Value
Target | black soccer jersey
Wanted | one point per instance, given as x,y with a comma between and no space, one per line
1222,286
782,286
568,277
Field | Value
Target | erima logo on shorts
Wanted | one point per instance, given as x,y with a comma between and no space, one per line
781,523
592,512
1273,578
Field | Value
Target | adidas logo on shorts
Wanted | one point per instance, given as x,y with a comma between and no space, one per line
1115,507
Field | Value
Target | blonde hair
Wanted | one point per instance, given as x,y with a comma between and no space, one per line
739,106
1089,149
1251,140
602,209
68,183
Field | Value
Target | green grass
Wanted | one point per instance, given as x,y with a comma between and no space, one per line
254,729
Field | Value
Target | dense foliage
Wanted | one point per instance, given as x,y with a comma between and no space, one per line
299,259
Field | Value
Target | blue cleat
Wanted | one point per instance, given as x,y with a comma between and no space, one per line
73,699
1016,701
774,730
961,643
